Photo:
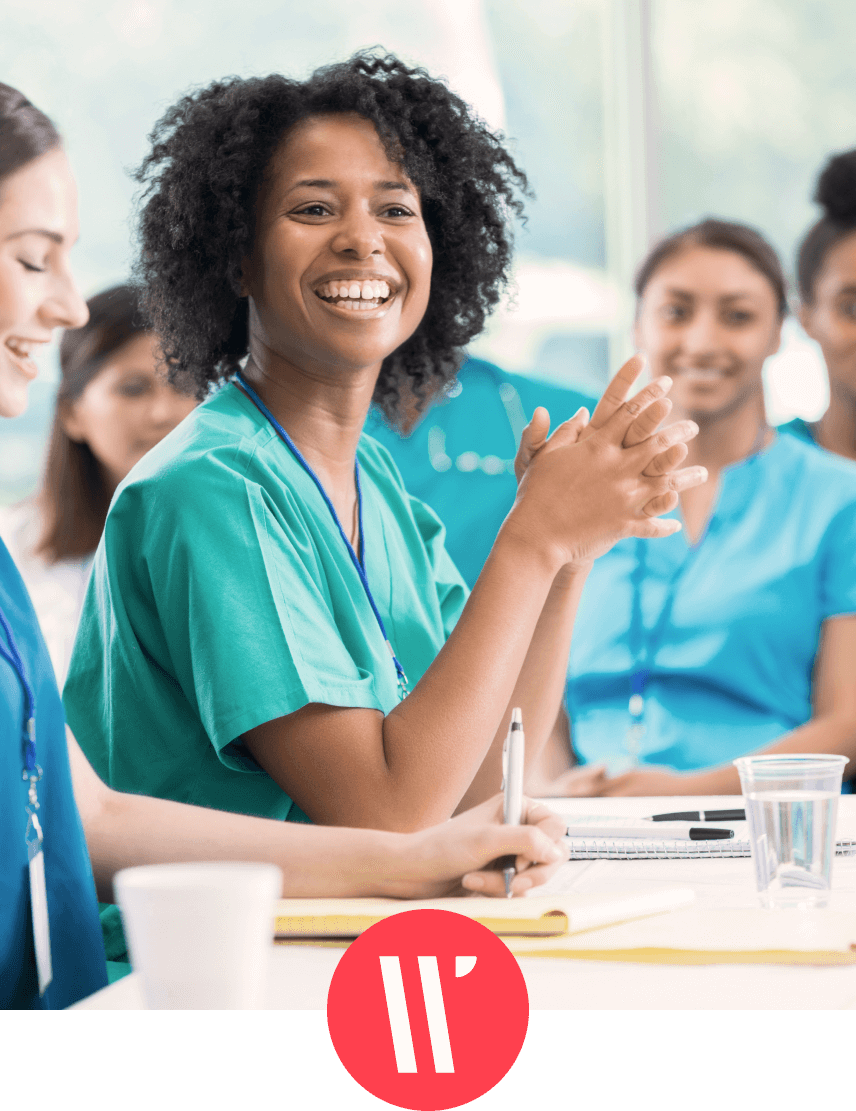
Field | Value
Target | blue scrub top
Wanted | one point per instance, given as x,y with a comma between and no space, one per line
460,457
799,428
731,668
77,951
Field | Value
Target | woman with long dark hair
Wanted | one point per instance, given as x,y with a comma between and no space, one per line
112,405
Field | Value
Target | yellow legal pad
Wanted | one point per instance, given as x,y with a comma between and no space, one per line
538,917
624,926
711,936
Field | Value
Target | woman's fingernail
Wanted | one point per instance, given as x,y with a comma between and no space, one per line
556,853
474,881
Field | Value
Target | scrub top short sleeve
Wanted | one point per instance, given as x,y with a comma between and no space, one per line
838,561
730,669
77,951
222,597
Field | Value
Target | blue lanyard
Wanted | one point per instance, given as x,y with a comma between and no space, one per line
358,561
13,657
643,652
31,771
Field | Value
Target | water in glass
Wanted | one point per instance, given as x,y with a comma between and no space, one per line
793,836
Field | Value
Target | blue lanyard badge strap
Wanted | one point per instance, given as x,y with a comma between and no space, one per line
33,833
643,648
32,771
358,561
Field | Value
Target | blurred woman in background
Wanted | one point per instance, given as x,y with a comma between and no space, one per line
111,407
826,275
738,633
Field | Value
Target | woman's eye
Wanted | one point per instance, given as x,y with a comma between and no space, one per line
397,211
313,210
32,269
739,318
133,387
848,309
674,313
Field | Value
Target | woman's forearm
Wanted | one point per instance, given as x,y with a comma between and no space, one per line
442,732
540,685
131,830
831,733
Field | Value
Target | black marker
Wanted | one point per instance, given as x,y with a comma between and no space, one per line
701,816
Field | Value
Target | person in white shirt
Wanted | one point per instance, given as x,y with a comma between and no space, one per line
112,406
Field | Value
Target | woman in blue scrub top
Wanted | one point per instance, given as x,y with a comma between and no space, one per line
826,275
739,633
273,624
41,829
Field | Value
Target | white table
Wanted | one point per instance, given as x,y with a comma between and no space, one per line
300,976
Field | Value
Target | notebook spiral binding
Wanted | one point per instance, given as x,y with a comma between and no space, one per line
639,849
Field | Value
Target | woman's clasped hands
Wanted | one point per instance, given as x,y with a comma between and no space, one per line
594,482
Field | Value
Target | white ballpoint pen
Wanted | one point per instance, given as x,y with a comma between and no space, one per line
512,787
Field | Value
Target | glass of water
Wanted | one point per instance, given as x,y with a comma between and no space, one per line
791,808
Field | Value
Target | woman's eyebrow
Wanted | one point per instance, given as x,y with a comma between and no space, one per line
326,183
52,235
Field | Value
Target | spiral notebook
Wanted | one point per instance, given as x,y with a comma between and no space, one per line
638,848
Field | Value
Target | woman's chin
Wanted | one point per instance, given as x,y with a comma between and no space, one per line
13,403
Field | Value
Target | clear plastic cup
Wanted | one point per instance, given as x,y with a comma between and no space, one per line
200,935
792,807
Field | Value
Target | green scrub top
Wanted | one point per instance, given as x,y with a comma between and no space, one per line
222,596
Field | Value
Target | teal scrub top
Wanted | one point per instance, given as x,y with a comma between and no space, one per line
731,665
222,597
460,457
77,951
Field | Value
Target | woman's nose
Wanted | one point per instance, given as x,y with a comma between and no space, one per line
359,235
64,307
701,335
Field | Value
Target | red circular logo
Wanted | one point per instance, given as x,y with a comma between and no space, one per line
427,1010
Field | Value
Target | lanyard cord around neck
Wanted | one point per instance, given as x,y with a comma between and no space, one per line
358,561
642,649
31,770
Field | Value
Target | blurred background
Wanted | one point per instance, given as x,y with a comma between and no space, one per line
631,117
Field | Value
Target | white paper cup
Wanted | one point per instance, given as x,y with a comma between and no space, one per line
200,935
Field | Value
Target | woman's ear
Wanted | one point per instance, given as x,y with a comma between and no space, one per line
775,339
70,422
805,315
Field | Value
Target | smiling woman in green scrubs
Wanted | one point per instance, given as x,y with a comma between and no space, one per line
43,846
273,625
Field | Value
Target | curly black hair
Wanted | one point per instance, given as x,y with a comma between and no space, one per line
202,177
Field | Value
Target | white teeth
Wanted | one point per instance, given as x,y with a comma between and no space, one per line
20,347
370,290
